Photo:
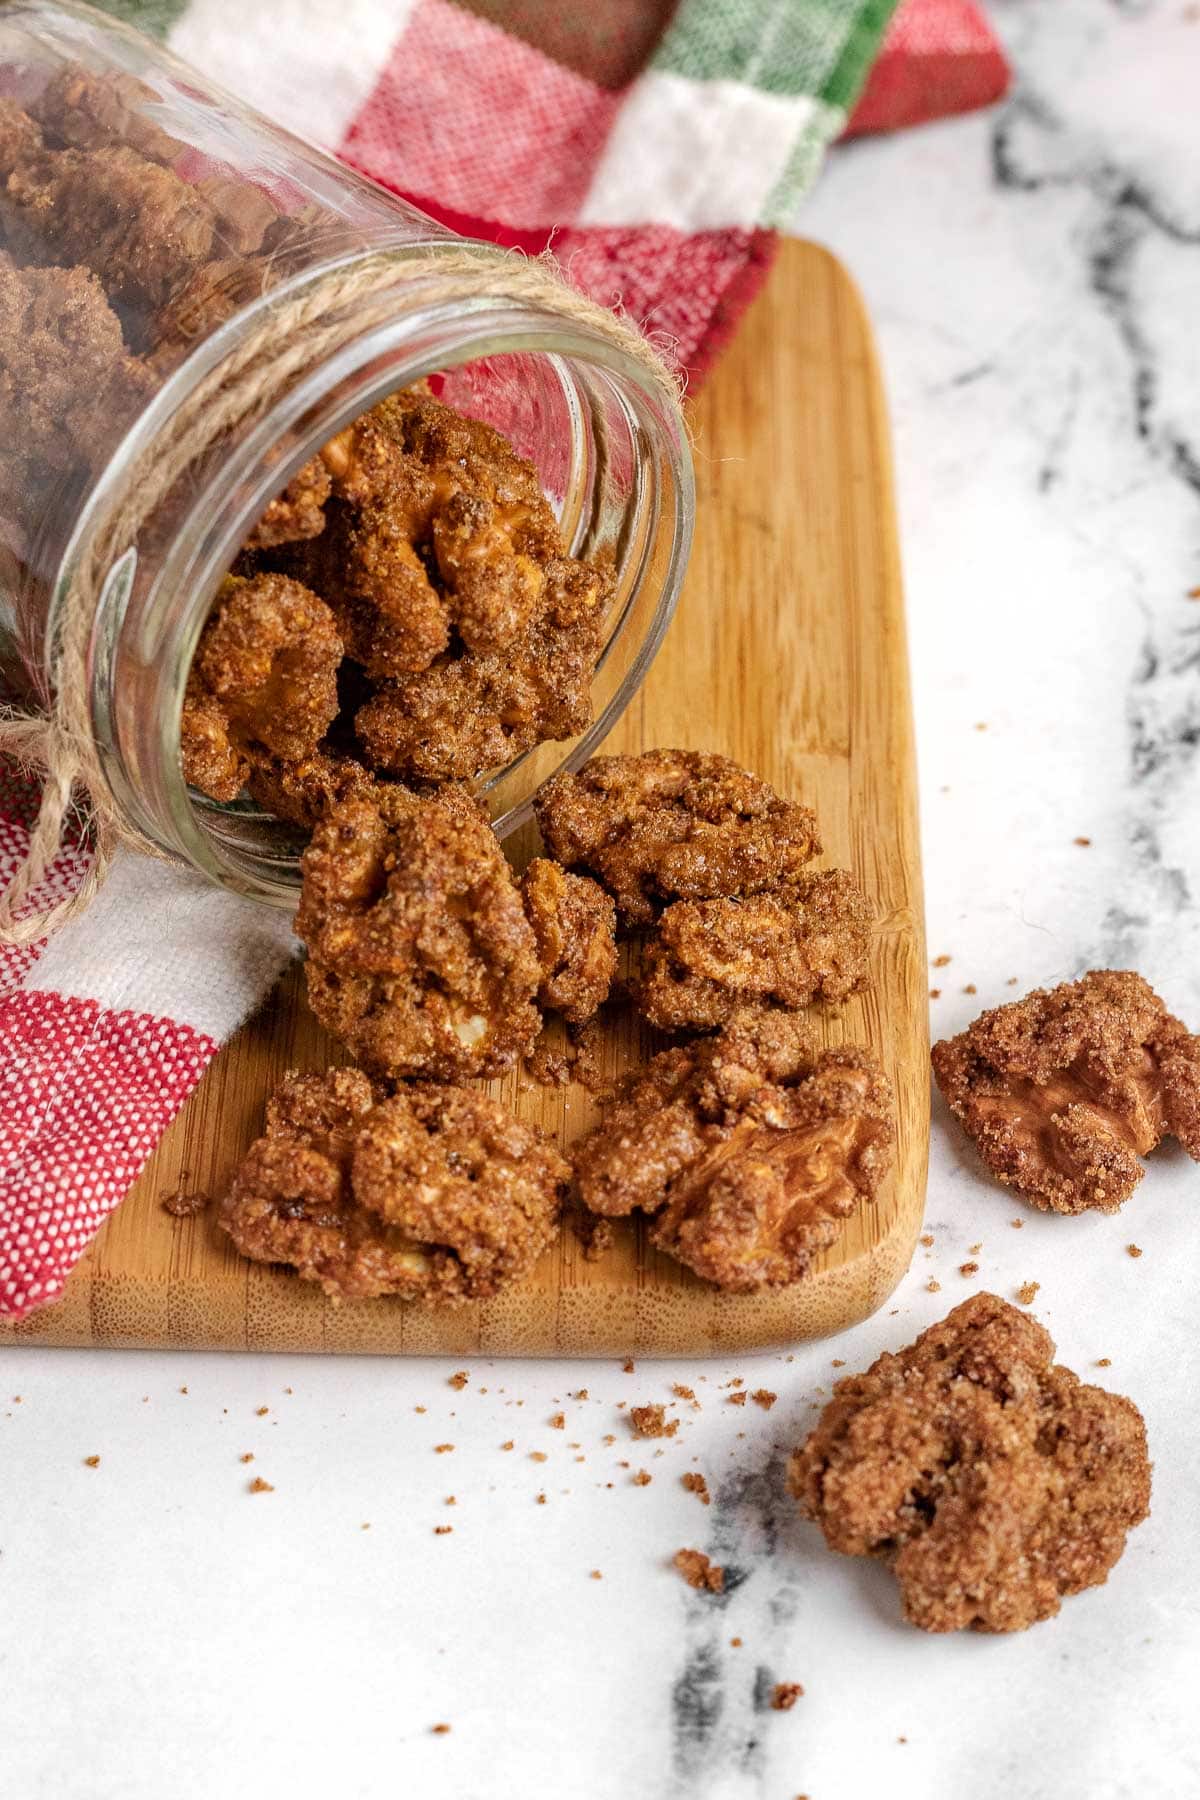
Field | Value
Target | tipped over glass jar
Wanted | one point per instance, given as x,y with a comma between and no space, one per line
195,310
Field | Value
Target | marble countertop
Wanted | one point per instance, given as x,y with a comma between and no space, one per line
1034,277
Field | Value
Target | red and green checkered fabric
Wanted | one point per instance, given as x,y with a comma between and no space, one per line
657,144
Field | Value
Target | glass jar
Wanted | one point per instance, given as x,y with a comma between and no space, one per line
193,302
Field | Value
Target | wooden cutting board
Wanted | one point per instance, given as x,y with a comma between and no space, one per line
788,654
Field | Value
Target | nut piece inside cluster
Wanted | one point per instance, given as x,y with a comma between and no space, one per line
1065,1091
991,1479
750,1148
574,922
433,1193
421,959
674,825
263,682
708,958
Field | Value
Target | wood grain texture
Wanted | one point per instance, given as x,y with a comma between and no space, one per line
788,654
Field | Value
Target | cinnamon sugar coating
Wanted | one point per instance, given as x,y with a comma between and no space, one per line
304,790
708,958
990,1479
421,959
432,1193
264,674
674,825
1063,1092
574,923
749,1147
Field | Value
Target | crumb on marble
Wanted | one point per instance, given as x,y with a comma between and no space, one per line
259,1486
651,1421
765,1398
699,1571
1027,1292
968,1268
459,1381
1132,1250
695,1483
784,1695
91,1462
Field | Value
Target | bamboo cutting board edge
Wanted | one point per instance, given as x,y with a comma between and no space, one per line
789,654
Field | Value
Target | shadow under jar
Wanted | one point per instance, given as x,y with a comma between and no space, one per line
192,303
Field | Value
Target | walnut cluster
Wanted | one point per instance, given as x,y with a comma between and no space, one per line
1064,1091
749,1149
432,1193
990,1479
469,635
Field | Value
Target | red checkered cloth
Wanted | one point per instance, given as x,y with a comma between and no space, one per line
661,144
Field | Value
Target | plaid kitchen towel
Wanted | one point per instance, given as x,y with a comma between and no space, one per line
660,144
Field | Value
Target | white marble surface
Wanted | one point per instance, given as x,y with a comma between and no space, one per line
1035,280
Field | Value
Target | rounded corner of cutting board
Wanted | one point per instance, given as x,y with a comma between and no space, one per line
789,655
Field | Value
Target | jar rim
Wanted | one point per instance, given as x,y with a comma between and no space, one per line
157,632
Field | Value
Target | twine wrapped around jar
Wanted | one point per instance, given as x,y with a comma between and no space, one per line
59,748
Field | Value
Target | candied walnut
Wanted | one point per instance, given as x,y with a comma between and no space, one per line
442,549
135,223
750,1170
1065,1091
421,958
708,958
264,673
299,512
477,711
89,111
699,1571
989,1478
434,1193
65,374
674,825
303,791
574,922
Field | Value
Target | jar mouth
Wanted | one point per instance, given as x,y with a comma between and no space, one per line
613,455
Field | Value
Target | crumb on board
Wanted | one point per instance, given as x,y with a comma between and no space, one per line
1133,1250
182,1205
737,1399
968,1268
259,1486
91,1462
1027,1292
641,1478
699,1571
784,1695
651,1421
765,1398
695,1483
460,1380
